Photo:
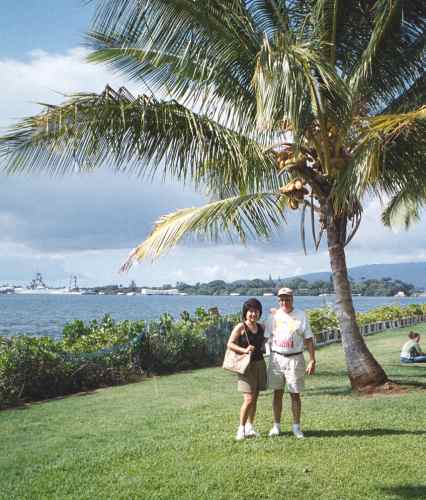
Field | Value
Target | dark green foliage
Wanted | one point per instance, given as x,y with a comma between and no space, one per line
325,318
89,356
191,342
384,287
38,368
322,319
102,334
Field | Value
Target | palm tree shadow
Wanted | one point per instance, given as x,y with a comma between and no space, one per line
336,390
411,383
27,405
339,390
409,491
362,433
331,373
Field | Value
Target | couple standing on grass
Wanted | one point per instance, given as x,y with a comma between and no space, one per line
287,331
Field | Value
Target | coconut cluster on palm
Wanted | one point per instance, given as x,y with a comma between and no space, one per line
265,105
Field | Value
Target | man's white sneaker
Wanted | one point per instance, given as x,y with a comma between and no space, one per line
275,431
298,434
251,432
240,434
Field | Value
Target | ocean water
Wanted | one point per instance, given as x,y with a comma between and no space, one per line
47,314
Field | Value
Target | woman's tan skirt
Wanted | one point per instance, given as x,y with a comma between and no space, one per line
254,379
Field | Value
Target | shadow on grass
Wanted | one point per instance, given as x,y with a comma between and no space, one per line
27,405
408,366
409,491
411,383
336,390
405,375
346,391
80,394
362,433
329,373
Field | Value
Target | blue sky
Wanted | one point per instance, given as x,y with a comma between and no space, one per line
51,25
86,225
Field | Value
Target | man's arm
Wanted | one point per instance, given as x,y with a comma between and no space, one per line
309,343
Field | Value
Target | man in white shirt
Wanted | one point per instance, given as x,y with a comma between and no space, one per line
289,332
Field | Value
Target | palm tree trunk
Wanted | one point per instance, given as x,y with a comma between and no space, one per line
363,369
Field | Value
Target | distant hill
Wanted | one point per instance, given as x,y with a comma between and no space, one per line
409,272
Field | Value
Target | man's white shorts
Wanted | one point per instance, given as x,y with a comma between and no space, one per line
286,370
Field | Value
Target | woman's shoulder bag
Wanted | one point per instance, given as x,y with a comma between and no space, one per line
236,362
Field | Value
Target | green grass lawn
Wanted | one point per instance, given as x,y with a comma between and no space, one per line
173,437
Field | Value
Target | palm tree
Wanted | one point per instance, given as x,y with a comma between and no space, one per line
264,104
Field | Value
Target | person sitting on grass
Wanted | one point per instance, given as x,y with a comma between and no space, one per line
411,351
248,337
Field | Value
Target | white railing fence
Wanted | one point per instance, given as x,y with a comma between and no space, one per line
333,335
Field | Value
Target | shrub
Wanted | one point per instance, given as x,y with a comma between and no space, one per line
33,368
97,335
172,346
322,319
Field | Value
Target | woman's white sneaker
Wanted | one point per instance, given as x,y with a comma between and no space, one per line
250,431
240,433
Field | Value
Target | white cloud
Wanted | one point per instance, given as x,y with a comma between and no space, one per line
45,77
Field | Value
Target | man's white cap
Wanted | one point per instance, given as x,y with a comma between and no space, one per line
285,291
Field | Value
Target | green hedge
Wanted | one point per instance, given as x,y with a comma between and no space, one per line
38,368
326,318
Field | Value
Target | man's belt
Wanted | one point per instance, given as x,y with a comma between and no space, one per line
286,355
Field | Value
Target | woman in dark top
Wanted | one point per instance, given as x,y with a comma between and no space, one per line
248,337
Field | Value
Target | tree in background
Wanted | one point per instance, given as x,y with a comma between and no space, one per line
266,105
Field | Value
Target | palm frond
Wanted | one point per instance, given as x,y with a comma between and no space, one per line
270,16
386,13
242,217
404,209
394,56
388,156
412,98
140,135
184,75
161,42
295,85
325,14
388,127
171,20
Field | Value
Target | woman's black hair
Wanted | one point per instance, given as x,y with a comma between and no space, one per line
251,304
